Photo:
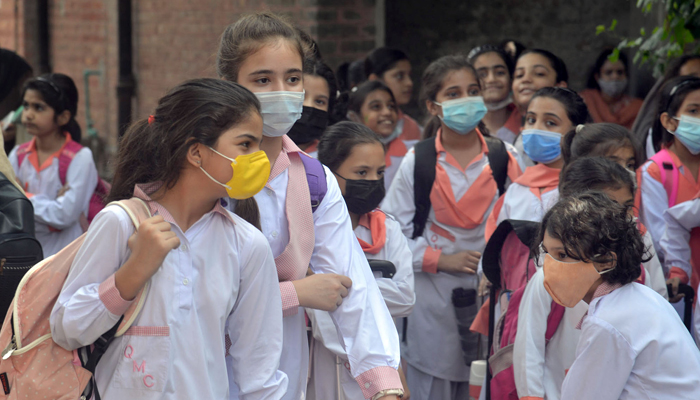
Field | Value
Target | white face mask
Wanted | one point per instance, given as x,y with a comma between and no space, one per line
613,88
501,104
280,110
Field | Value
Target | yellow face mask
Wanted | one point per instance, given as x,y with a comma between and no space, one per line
250,174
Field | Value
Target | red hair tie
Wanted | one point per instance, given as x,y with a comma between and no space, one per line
151,118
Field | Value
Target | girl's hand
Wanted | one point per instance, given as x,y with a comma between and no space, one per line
484,286
673,295
149,247
322,291
62,191
406,392
465,262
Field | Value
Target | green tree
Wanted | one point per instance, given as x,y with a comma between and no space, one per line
675,37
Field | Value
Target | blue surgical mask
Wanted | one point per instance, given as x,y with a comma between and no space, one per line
688,132
464,114
542,146
280,110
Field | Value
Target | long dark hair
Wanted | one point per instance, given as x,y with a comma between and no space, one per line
592,227
383,59
594,173
338,140
672,96
320,69
592,83
196,111
60,93
478,51
557,63
433,79
596,140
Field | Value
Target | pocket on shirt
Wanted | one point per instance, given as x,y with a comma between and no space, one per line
144,359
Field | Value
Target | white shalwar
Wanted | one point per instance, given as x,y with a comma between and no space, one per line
175,348
432,348
57,219
633,345
330,364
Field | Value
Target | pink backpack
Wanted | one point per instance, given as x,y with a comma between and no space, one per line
31,360
97,201
508,266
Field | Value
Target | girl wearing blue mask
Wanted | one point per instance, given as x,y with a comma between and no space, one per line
446,251
552,112
263,53
671,176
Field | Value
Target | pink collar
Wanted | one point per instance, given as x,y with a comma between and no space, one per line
143,192
605,288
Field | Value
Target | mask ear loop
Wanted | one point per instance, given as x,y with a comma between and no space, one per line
211,177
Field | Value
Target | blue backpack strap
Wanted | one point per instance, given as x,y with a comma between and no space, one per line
316,177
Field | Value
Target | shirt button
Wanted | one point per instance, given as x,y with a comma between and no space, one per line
274,234
270,192
185,281
367,385
183,247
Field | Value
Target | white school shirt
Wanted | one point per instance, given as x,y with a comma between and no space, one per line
391,170
655,278
675,242
57,220
399,297
432,339
520,203
540,367
175,348
526,161
362,320
633,345
654,201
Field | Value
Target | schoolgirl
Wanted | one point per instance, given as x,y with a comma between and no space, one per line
373,105
495,69
593,249
534,70
393,68
262,52
355,155
60,201
319,99
540,366
679,108
552,113
446,252
196,295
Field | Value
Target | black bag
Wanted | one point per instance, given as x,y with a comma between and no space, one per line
19,249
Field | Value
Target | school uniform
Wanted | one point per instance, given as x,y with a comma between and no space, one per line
539,366
381,239
57,219
633,345
654,201
511,129
461,201
175,348
325,242
528,198
396,150
627,108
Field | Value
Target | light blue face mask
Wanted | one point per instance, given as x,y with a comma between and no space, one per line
688,133
542,146
280,110
464,114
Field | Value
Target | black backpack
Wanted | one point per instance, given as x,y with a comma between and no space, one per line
19,250
424,175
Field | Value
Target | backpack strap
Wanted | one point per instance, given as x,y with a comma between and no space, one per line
555,316
22,151
423,178
316,177
498,160
665,163
64,159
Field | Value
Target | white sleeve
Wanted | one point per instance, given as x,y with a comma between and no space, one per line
675,242
64,211
529,347
80,316
654,203
12,157
656,278
696,320
363,321
604,361
255,326
398,292
399,202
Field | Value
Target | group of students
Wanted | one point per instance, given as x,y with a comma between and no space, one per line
270,190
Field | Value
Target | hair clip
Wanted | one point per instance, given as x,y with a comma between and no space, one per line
151,118
579,128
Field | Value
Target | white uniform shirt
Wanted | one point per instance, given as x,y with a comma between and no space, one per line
57,220
176,348
391,170
675,242
633,345
398,295
363,321
520,203
433,341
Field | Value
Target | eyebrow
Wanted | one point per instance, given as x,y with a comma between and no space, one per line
693,105
452,87
293,71
261,72
249,136
553,115
540,65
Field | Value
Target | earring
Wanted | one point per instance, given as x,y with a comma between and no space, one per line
198,162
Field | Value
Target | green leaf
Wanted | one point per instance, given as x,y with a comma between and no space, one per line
642,32
599,29
613,25
614,56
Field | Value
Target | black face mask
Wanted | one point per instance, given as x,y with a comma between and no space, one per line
309,127
362,195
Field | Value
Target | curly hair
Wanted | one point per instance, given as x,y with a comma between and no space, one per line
594,228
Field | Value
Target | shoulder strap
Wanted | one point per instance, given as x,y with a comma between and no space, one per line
64,159
316,177
498,160
22,152
423,178
555,316
665,163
